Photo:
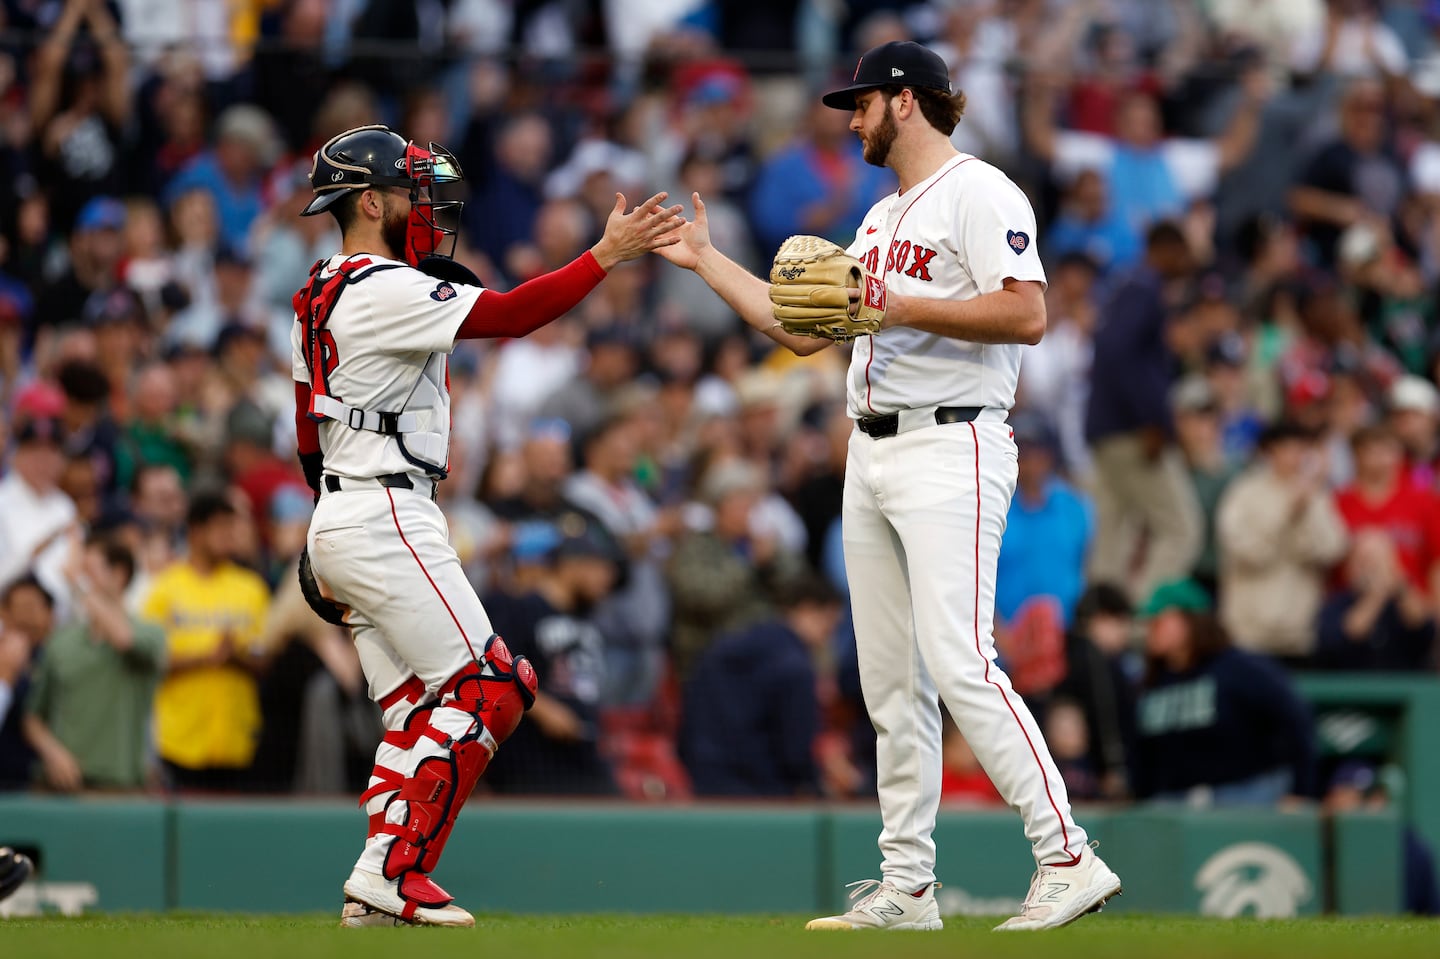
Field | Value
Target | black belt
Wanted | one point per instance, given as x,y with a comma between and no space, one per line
888,424
335,484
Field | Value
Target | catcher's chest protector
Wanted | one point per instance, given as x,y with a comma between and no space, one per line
419,442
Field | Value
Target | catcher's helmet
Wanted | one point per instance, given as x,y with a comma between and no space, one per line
378,156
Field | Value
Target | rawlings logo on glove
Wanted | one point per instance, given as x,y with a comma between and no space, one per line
810,283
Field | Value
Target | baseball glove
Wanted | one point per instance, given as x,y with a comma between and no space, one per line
326,609
810,284
15,868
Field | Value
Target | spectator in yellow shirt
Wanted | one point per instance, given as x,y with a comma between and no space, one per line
207,710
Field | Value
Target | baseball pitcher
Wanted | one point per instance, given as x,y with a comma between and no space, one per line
939,290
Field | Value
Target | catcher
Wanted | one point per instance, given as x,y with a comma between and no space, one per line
371,342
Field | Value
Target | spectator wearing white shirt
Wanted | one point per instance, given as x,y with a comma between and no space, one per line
34,513
1055,374
1271,25
1350,42
635,618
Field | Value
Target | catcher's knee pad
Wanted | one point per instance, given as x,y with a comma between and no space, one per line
480,706
498,689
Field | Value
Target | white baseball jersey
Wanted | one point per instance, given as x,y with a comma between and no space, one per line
954,236
390,333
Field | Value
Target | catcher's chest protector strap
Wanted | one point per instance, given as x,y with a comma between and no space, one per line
313,306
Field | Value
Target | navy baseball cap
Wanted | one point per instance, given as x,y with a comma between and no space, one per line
901,63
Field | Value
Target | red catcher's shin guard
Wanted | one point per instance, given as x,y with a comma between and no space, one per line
496,692
502,689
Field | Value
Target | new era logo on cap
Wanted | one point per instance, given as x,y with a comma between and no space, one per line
896,72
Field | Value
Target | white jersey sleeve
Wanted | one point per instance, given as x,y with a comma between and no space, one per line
410,311
996,236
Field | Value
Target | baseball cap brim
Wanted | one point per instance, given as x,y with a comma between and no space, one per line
845,99
322,201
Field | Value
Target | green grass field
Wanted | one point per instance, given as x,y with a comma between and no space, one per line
683,937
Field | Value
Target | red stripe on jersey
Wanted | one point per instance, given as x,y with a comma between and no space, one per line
1044,778
886,271
421,563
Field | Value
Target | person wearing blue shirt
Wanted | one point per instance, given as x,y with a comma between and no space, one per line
232,172
819,185
1087,224
1047,530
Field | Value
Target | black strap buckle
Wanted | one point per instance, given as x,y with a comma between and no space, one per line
355,419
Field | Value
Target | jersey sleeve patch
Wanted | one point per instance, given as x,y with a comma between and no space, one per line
1019,242
443,291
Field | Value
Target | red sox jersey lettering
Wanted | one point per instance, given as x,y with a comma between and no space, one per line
906,257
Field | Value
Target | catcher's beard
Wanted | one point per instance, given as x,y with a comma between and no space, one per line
878,144
396,232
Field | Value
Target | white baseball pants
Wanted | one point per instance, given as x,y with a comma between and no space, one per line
924,512
386,554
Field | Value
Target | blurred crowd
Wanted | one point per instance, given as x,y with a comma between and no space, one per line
1229,437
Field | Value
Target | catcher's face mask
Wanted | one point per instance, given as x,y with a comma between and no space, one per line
434,221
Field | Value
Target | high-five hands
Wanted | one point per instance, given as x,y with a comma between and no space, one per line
649,226
690,240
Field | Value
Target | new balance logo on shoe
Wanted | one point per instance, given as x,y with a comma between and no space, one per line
1056,888
882,906
887,908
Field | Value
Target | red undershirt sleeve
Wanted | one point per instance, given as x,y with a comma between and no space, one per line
307,431
533,303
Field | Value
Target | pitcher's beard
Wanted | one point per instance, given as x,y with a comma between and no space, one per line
877,146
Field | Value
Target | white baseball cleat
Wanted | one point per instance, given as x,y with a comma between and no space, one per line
1061,894
357,915
885,907
380,895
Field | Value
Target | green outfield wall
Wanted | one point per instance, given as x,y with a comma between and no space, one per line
291,856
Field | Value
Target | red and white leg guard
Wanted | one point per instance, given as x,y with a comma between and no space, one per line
444,748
